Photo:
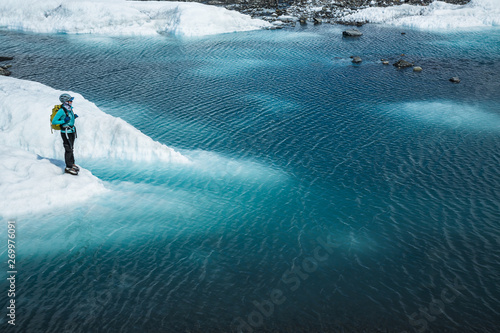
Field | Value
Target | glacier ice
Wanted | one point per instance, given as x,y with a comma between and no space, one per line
25,123
120,17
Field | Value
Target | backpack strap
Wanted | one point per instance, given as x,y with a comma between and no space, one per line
67,115
64,109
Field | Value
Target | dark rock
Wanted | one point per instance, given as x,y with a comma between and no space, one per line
6,58
4,71
355,23
402,64
352,33
356,60
317,20
455,79
303,20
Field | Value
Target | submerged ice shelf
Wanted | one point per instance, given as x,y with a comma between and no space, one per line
31,157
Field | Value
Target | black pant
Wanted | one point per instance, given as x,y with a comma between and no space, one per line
68,143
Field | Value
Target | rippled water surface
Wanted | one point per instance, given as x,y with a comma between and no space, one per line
323,196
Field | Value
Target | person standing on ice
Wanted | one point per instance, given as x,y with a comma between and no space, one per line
65,117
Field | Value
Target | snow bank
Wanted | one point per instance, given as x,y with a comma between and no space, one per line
29,183
120,17
438,15
25,109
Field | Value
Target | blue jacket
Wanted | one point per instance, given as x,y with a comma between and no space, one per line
59,120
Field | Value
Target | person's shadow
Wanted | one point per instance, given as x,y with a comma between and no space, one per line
58,163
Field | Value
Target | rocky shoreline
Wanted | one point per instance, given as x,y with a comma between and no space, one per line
289,13
286,13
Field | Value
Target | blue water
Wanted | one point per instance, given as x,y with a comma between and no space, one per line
324,196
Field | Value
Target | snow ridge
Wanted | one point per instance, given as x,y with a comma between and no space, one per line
25,124
120,17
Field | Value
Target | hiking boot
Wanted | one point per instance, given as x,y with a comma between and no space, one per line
71,171
76,168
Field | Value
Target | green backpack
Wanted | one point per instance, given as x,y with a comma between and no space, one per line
54,112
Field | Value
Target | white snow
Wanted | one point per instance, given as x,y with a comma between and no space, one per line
438,15
31,157
30,183
120,17
25,109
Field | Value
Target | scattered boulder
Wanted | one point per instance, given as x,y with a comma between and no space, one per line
6,58
403,64
417,69
317,20
303,20
455,79
385,62
356,60
352,33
